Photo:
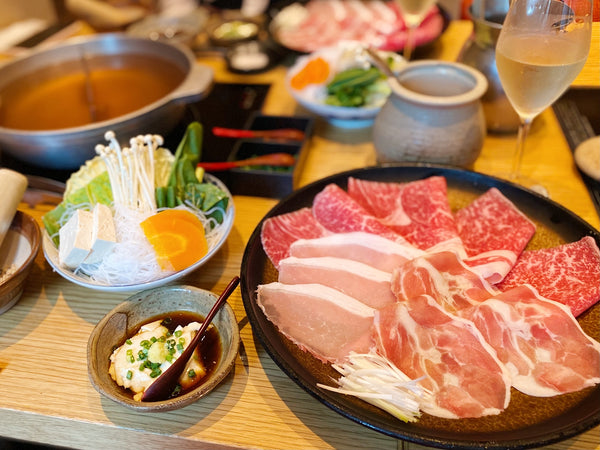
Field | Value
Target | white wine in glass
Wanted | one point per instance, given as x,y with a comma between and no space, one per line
541,49
413,13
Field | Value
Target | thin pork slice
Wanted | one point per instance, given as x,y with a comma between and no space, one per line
339,213
568,274
279,232
444,277
459,367
494,232
540,342
365,283
318,319
418,210
367,248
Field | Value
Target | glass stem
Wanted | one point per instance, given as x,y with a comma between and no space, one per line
518,158
408,46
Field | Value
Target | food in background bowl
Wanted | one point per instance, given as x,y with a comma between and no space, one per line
342,84
307,26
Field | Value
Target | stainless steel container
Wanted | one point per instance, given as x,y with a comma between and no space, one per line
68,148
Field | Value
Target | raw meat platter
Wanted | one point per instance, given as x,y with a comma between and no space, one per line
304,26
527,421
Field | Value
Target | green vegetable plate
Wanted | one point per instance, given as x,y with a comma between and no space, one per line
355,90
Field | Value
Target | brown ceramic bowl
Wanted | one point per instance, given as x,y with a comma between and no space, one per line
124,321
19,249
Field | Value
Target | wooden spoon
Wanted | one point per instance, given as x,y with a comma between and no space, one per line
272,159
163,386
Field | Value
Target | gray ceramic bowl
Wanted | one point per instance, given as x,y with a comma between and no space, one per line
124,320
20,247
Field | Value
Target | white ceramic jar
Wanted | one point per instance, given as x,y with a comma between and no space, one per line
433,115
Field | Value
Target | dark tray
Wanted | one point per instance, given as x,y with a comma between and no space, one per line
264,181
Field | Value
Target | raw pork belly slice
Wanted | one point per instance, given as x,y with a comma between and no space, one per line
444,277
318,319
539,341
494,233
364,283
568,274
459,367
367,248
417,210
339,213
278,232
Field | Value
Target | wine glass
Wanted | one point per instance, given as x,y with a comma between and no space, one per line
541,48
413,13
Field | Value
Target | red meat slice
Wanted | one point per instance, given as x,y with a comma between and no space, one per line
339,213
460,368
539,341
319,319
417,210
444,277
493,230
365,283
279,232
367,248
569,273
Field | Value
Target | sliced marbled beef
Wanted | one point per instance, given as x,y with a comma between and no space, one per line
418,210
494,232
569,273
278,232
335,210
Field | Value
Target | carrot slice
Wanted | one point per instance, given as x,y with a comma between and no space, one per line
177,237
314,72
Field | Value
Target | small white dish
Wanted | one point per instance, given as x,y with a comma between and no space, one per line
587,157
51,254
339,57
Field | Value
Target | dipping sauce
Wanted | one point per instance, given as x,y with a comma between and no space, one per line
152,349
117,85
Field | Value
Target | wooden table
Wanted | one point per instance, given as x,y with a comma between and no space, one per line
45,394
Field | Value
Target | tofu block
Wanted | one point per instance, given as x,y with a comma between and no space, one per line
104,236
75,239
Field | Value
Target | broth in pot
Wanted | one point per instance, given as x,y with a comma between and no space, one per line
87,91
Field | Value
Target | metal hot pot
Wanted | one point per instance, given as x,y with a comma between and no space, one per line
68,148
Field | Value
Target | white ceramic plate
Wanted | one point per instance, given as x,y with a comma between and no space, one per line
312,97
51,254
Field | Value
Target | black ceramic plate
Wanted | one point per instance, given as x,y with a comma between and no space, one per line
528,421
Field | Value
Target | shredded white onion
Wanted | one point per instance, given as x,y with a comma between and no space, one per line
376,380
132,260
